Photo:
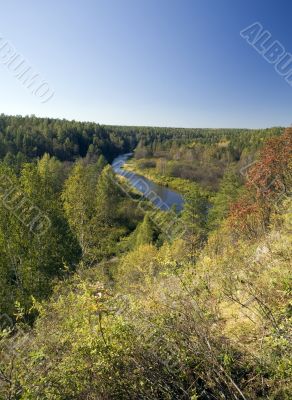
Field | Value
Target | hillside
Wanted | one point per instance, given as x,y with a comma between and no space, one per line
99,301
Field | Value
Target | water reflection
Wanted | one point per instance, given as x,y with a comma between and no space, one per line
160,196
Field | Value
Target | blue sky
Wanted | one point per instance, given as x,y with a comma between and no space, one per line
148,62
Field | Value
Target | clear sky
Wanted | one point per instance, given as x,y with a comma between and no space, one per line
148,62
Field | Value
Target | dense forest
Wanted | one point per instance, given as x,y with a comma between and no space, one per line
98,301
24,138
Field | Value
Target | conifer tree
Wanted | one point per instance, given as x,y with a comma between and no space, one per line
145,232
228,192
194,217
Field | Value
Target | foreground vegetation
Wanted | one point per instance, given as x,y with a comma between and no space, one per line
101,303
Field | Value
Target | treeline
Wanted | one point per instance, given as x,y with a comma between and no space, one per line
199,155
29,137
25,138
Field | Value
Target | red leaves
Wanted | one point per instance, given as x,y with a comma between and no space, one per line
268,175
267,181
246,217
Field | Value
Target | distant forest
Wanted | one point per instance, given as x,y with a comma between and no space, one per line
24,138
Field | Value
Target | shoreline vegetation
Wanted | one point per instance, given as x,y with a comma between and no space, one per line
180,185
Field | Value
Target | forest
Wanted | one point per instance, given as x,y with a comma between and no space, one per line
98,301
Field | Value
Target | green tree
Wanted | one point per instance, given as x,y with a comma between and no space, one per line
36,242
107,221
195,211
108,197
145,232
227,193
194,216
79,197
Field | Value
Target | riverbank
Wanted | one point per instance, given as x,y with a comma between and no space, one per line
180,185
160,194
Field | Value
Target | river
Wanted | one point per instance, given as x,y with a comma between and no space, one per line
162,197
